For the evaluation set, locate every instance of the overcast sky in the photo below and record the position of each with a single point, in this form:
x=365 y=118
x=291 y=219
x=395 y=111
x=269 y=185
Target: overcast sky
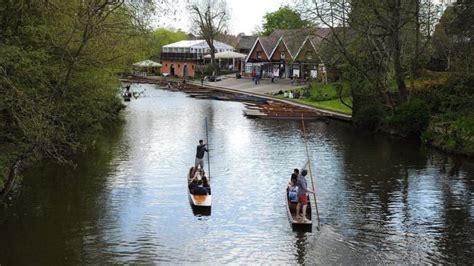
x=246 y=15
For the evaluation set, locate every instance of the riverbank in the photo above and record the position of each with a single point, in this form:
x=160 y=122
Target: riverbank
x=245 y=87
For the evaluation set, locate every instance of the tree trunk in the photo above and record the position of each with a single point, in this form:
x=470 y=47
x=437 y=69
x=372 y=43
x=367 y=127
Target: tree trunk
x=397 y=64
x=213 y=54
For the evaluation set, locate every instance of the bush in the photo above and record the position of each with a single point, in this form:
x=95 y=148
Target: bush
x=412 y=118
x=369 y=116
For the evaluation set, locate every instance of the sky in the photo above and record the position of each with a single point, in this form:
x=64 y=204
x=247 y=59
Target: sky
x=246 y=15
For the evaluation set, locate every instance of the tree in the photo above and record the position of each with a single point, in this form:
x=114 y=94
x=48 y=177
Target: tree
x=381 y=41
x=156 y=39
x=211 y=18
x=283 y=18
x=453 y=42
x=58 y=74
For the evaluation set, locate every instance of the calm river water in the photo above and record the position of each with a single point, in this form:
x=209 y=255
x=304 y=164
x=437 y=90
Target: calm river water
x=380 y=200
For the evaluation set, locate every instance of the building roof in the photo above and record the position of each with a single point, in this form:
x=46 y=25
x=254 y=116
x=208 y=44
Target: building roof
x=268 y=43
x=227 y=55
x=198 y=44
x=246 y=42
x=293 y=39
x=147 y=63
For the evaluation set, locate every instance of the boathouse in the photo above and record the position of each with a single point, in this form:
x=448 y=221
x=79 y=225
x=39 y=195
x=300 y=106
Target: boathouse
x=180 y=59
x=288 y=54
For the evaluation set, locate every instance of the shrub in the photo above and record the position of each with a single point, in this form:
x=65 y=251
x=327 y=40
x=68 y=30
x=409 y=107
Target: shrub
x=369 y=116
x=412 y=118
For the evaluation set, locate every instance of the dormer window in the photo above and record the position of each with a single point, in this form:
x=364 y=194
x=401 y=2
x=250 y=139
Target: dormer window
x=309 y=55
x=282 y=55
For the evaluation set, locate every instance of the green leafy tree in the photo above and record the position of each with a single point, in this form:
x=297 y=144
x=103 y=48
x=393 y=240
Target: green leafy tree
x=283 y=18
x=58 y=74
x=161 y=37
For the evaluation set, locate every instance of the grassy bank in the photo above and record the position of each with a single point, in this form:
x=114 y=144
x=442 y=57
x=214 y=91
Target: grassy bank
x=332 y=105
x=325 y=96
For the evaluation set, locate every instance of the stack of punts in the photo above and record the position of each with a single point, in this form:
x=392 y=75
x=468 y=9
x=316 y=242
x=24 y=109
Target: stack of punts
x=279 y=110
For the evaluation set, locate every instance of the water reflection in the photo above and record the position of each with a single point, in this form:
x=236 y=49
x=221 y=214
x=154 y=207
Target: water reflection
x=380 y=200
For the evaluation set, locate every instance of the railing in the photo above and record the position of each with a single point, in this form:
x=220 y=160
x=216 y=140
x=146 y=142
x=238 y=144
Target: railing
x=180 y=56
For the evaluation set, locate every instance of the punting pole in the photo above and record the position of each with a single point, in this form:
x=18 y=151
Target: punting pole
x=309 y=168
x=208 y=149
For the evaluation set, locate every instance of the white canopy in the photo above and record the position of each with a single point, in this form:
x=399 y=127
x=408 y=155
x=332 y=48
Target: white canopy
x=147 y=63
x=227 y=55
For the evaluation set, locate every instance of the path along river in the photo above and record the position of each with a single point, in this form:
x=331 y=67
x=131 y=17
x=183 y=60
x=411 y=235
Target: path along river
x=380 y=200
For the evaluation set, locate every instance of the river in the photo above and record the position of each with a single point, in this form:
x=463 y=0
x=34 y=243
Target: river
x=380 y=200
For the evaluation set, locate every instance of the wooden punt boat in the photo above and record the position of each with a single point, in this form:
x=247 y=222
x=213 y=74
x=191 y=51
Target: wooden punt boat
x=198 y=201
x=297 y=223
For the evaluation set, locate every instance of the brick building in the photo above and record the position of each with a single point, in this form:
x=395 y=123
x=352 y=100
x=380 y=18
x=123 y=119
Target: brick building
x=288 y=53
x=181 y=59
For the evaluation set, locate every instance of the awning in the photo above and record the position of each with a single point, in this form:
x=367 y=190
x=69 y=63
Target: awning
x=147 y=63
x=227 y=55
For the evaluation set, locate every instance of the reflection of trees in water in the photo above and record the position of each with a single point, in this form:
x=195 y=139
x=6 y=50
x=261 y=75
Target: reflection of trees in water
x=458 y=213
x=388 y=184
x=60 y=205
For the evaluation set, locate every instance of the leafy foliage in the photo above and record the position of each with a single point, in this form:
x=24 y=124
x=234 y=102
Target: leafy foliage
x=369 y=116
x=412 y=118
x=58 y=71
x=283 y=18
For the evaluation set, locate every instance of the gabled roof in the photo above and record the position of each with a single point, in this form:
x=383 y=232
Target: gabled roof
x=280 y=40
x=246 y=42
x=319 y=35
x=293 y=39
x=307 y=40
x=267 y=42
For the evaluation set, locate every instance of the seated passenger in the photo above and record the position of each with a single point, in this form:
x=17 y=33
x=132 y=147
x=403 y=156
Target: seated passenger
x=200 y=190
x=192 y=186
x=205 y=184
x=293 y=193
x=198 y=173
x=191 y=175
x=292 y=188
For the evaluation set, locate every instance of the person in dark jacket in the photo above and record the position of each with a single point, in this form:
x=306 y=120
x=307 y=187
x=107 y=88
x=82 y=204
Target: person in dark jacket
x=205 y=184
x=200 y=150
x=193 y=185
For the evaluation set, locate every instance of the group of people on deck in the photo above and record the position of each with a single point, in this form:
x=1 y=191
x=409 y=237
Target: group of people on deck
x=298 y=192
x=198 y=182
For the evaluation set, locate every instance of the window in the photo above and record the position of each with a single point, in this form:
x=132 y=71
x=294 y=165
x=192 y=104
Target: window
x=282 y=55
x=248 y=68
x=259 y=55
x=179 y=66
x=309 y=55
